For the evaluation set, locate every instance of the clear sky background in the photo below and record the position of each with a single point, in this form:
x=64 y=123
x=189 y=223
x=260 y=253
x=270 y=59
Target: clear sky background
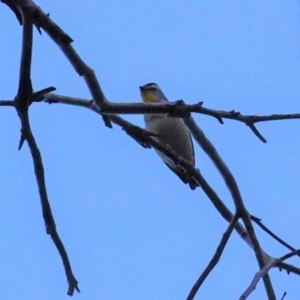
x=131 y=228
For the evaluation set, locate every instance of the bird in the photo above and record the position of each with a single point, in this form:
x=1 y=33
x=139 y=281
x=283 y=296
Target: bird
x=169 y=131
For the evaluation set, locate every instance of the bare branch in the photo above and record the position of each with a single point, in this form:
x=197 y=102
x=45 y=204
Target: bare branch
x=257 y=277
x=283 y=296
x=231 y=184
x=183 y=109
x=7 y=103
x=289 y=255
x=174 y=109
x=63 y=40
x=25 y=88
x=215 y=259
x=21 y=103
x=271 y=233
x=46 y=208
x=180 y=109
x=271 y=263
x=38 y=96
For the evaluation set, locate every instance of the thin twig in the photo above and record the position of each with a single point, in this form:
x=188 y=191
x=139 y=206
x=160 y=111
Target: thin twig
x=271 y=263
x=262 y=273
x=25 y=87
x=272 y=234
x=22 y=102
x=257 y=133
x=215 y=259
x=283 y=296
x=7 y=103
x=38 y=96
x=46 y=208
x=289 y=255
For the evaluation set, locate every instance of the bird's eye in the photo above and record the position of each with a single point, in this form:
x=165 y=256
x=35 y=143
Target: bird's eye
x=153 y=88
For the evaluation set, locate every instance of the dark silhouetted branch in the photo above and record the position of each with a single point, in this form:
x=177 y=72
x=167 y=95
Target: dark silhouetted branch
x=21 y=102
x=232 y=186
x=215 y=259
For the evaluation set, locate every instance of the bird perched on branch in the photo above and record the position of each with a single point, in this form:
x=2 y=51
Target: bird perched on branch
x=169 y=131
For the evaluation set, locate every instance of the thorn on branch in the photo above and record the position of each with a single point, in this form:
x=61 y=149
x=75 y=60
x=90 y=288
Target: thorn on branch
x=22 y=140
x=107 y=121
x=39 y=95
x=256 y=132
x=219 y=119
x=255 y=219
x=38 y=28
x=283 y=296
x=73 y=285
x=235 y=113
x=44 y=21
x=105 y=118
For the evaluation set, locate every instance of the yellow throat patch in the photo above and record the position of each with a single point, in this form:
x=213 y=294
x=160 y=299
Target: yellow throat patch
x=149 y=96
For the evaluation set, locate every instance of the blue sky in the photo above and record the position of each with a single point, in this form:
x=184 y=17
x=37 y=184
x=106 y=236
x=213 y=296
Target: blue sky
x=131 y=228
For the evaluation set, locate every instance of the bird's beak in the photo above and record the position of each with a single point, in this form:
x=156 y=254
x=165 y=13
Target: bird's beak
x=141 y=89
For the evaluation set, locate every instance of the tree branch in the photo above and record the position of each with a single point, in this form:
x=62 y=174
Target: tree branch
x=272 y=234
x=215 y=259
x=231 y=184
x=21 y=103
x=271 y=263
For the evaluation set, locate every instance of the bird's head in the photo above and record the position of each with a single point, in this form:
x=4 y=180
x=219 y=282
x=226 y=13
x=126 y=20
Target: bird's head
x=152 y=93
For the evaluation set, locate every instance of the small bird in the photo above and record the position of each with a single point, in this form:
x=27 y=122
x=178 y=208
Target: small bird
x=170 y=131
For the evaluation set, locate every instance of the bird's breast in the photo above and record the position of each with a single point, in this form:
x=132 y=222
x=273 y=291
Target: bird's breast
x=172 y=132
